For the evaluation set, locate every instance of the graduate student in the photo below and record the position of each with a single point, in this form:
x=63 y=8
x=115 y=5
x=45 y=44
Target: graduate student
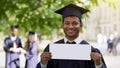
x=72 y=24
x=31 y=53
x=12 y=45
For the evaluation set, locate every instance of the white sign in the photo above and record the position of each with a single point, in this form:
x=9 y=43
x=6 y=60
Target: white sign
x=70 y=51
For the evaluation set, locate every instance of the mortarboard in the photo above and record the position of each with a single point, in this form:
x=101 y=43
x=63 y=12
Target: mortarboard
x=14 y=27
x=31 y=33
x=72 y=10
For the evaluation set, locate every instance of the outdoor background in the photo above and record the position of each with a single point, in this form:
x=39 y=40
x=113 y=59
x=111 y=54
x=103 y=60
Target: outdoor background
x=38 y=15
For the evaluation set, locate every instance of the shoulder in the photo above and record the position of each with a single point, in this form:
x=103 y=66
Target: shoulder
x=60 y=41
x=38 y=65
x=92 y=48
x=18 y=38
x=7 y=38
x=84 y=42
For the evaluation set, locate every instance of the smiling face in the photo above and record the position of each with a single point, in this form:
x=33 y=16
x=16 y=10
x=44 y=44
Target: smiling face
x=71 y=26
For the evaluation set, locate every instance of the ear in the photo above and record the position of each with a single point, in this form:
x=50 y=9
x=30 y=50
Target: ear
x=62 y=25
x=81 y=24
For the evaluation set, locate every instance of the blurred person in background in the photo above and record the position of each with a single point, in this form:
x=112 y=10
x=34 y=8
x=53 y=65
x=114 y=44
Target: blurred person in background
x=110 y=44
x=31 y=50
x=116 y=40
x=12 y=45
x=99 y=38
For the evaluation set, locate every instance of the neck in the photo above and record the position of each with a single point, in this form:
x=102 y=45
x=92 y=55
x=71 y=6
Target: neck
x=71 y=38
x=32 y=41
x=13 y=35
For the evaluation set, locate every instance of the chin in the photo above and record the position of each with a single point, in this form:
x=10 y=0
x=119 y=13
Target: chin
x=70 y=35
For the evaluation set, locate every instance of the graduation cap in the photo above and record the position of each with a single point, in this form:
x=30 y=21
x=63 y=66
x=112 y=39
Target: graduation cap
x=72 y=10
x=14 y=27
x=31 y=33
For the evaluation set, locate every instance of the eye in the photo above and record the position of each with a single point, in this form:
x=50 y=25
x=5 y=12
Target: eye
x=66 y=23
x=75 y=23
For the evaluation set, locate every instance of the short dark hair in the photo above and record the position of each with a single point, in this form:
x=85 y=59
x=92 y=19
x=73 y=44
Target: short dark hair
x=73 y=16
x=14 y=27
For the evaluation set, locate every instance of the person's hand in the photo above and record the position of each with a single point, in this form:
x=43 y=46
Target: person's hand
x=96 y=58
x=45 y=57
x=22 y=50
x=13 y=50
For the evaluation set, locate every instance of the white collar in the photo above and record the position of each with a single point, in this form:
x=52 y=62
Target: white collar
x=13 y=38
x=77 y=40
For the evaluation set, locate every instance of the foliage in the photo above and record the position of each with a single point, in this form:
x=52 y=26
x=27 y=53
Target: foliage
x=35 y=15
x=112 y=3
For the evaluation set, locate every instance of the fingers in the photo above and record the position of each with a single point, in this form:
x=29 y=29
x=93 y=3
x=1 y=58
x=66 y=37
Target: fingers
x=11 y=49
x=22 y=50
x=45 y=57
x=95 y=55
x=96 y=58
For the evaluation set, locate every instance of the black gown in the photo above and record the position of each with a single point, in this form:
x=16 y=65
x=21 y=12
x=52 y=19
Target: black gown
x=12 y=59
x=58 y=63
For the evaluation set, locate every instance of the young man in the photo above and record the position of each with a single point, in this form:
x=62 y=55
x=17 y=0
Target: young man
x=11 y=47
x=71 y=25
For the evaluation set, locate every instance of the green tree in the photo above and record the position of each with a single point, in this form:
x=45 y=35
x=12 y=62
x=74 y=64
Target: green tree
x=36 y=15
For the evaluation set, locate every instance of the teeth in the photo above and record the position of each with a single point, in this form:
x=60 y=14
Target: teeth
x=70 y=31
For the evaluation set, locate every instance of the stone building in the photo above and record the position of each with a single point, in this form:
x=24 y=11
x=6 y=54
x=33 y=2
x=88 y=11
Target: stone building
x=102 y=20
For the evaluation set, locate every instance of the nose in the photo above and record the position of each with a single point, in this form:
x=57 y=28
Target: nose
x=71 y=26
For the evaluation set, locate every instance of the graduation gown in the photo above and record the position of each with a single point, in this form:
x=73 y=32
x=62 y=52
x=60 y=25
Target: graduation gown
x=12 y=59
x=110 y=44
x=58 y=63
x=31 y=56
